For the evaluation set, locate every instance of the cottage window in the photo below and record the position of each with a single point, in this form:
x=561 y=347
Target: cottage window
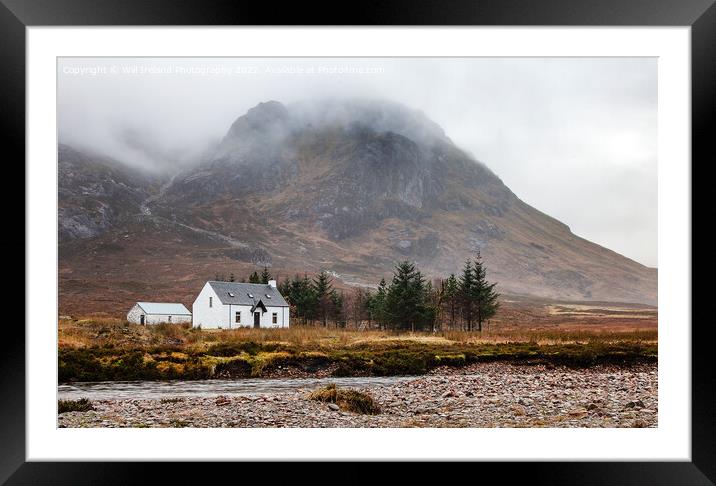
x=211 y=301
x=274 y=318
x=238 y=317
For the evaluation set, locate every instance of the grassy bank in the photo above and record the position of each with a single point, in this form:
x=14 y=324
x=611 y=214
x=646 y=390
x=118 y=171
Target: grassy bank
x=108 y=349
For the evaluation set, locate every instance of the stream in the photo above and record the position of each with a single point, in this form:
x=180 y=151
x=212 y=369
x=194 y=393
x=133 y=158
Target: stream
x=117 y=390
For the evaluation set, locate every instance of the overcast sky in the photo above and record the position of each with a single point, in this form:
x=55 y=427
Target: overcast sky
x=573 y=137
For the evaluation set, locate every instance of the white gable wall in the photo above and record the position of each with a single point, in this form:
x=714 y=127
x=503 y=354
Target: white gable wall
x=209 y=317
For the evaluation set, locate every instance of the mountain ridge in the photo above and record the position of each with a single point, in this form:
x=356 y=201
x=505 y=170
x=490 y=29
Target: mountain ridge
x=355 y=186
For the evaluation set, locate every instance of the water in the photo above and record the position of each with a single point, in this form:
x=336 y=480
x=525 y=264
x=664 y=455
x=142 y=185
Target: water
x=110 y=390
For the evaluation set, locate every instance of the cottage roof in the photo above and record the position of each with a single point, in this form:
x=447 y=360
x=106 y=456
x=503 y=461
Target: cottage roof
x=237 y=293
x=164 y=308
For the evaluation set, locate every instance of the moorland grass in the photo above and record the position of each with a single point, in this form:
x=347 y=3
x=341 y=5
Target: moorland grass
x=116 y=350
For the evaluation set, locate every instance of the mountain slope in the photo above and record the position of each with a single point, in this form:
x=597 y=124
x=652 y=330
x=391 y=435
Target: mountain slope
x=96 y=194
x=354 y=186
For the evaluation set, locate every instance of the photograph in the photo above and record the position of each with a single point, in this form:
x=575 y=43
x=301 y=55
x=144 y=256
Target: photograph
x=424 y=233
x=357 y=242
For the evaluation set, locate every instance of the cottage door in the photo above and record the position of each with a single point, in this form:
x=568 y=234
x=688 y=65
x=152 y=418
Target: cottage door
x=141 y=319
x=257 y=319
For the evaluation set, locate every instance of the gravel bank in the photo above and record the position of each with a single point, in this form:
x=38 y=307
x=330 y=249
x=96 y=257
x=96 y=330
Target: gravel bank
x=481 y=395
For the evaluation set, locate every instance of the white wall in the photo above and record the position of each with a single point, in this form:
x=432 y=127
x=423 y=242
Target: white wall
x=266 y=321
x=282 y=317
x=209 y=317
x=159 y=318
x=247 y=320
x=223 y=316
x=136 y=312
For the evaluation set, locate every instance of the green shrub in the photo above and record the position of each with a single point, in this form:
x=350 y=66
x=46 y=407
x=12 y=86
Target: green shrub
x=403 y=362
x=450 y=360
x=352 y=366
x=376 y=358
x=96 y=364
x=236 y=368
x=229 y=349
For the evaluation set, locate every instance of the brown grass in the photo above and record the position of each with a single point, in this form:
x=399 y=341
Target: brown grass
x=81 y=405
x=348 y=400
x=103 y=332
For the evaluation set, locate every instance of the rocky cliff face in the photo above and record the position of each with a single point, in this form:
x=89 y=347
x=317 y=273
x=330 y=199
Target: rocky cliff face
x=345 y=167
x=96 y=194
x=352 y=187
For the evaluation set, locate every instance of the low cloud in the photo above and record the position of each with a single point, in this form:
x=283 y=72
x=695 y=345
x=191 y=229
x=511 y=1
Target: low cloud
x=574 y=137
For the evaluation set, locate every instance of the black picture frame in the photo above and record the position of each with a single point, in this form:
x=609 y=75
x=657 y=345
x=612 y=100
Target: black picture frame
x=700 y=15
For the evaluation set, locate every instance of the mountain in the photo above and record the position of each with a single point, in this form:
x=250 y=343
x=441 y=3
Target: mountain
x=96 y=194
x=347 y=186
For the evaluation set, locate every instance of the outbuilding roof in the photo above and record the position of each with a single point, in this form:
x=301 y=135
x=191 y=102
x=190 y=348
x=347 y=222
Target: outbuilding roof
x=164 y=308
x=237 y=293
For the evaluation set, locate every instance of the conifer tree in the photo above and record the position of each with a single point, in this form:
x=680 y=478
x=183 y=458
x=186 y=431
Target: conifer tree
x=478 y=298
x=486 y=298
x=337 y=310
x=307 y=298
x=377 y=304
x=466 y=292
x=284 y=289
x=450 y=296
x=406 y=301
x=254 y=278
x=298 y=293
x=265 y=276
x=324 y=296
x=433 y=302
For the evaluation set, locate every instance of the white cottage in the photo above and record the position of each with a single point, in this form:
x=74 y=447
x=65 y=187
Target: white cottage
x=156 y=312
x=229 y=305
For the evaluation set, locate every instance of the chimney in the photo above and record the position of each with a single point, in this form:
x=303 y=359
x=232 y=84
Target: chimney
x=272 y=283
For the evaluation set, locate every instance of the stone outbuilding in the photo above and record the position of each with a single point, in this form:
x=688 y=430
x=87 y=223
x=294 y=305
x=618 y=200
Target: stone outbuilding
x=158 y=312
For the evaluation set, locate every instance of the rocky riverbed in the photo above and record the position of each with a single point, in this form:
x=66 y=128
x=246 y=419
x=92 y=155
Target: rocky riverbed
x=481 y=395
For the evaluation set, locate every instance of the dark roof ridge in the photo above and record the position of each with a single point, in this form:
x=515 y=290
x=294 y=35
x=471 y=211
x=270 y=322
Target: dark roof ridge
x=241 y=291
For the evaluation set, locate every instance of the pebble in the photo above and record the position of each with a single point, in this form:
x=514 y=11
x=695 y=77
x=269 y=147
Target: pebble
x=500 y=395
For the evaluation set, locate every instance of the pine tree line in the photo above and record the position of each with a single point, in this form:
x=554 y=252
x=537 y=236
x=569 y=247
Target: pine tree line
x=255 y=277
x=314 y=300
x=408 y=302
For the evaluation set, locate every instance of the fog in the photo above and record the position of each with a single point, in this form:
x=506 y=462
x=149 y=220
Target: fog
x=573 y=137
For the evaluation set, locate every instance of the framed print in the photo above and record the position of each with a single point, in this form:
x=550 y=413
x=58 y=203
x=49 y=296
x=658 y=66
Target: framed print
x=453 y=233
